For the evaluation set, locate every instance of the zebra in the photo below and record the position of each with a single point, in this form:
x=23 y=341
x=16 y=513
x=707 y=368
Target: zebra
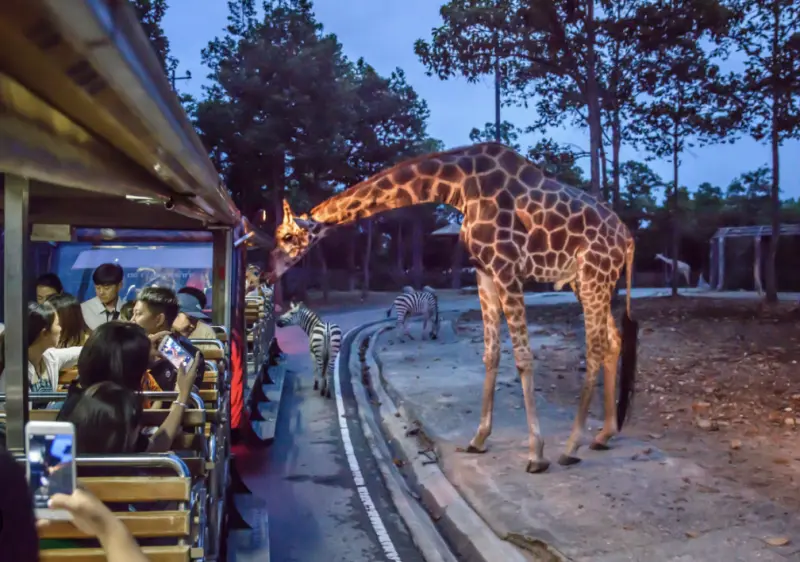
x=412 y=303
x=324 y=341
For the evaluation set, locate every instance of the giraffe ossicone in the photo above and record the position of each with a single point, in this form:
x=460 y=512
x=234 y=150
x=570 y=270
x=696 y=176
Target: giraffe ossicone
x=518 y=225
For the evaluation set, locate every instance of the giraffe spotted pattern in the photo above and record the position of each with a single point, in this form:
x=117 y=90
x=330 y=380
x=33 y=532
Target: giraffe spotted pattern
x=518 y=225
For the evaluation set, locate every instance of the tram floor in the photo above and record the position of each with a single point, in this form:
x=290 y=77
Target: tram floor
x=315 y=510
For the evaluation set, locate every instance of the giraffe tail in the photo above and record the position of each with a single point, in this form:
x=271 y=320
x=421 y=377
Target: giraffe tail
x=630 y=335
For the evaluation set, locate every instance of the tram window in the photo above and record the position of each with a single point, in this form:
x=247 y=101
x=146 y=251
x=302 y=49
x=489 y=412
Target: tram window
x=171 y=265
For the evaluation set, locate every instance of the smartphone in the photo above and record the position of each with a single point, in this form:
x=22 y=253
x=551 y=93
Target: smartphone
x=174 y=352
x=50 y=464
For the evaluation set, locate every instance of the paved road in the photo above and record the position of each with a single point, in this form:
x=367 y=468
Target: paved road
x=315 y=510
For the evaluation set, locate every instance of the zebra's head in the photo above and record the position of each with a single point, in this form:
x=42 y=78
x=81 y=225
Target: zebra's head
x=294 y=237
x=292 y=316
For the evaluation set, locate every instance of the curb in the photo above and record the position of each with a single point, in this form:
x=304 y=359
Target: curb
x=472 y=538
x=423 y=531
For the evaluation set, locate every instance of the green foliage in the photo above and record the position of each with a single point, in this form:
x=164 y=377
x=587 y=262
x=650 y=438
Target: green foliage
x=288 y=114
x=509 y=134
x=151 y=13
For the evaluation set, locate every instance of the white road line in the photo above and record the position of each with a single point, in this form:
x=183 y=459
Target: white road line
x=374 y=517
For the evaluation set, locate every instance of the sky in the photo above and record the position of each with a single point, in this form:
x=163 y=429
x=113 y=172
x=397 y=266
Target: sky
x=384 y=31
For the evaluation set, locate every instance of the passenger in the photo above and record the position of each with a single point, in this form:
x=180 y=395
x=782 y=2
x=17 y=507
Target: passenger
x=198 y=294
x=106 y=305
x=126 y=312
x=47 y=285
x=107 y=420
x=252 y=279
x=156 y=310
x=45 y=360
x=191 y=320
x=19 y=539
x=119 y=352
x=73 y=328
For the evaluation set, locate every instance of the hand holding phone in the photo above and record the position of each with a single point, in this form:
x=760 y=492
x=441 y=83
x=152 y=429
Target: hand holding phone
x=50 y=465
x=187 y=373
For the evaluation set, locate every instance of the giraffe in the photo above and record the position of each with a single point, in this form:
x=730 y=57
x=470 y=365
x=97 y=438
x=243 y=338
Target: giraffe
x=518 y=225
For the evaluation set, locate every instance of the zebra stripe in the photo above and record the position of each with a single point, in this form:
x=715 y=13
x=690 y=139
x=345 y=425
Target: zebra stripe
x=416 y=303
x=324 y=342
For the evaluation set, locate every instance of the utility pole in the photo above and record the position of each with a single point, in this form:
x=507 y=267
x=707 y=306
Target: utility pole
x=173 y=78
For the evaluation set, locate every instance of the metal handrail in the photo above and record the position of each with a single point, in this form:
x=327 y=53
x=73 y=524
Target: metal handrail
x=38 y=397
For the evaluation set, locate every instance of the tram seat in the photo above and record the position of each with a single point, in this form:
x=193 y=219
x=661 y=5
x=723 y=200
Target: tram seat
x=149 y=489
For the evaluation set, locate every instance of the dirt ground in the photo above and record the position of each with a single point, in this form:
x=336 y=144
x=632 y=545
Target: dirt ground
x=718 y=382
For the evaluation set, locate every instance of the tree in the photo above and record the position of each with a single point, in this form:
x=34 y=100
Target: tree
x=546 y=49
x=151 y=13
x=680 y=108
x=768 y=91
x=508 y=134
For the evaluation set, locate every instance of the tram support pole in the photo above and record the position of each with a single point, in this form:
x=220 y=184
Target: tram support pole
x=17 y=235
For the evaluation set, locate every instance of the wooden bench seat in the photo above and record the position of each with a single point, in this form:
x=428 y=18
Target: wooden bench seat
x=153 y=553
x=174 y=524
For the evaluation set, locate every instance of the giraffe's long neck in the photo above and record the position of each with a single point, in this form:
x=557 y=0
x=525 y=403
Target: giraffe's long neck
x=443 y=178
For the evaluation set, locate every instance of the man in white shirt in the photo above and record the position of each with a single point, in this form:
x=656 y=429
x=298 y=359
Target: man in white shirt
x=106 y=305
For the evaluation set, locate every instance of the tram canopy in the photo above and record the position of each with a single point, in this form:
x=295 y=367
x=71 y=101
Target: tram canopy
x=89 y=117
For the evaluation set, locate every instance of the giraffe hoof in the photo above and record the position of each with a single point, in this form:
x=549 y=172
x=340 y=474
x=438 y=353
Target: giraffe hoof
x=537 y=467
x=566 y=460
x=595 y=446
x=316 y=385
x=473 y=450
x=433 y=337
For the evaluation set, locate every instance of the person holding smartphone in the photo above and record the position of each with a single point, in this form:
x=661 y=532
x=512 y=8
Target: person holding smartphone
x=155 y=310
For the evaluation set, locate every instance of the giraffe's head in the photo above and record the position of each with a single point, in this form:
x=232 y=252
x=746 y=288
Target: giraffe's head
x=292 y=316
x=293 y=238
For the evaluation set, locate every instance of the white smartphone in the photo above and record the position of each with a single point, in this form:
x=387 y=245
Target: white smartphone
x=50 y=464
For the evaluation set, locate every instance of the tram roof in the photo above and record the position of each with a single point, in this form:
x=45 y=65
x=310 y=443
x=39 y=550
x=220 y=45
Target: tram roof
x=88 y=115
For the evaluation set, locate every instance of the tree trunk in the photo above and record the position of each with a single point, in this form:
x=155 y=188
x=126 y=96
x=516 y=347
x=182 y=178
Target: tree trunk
x=351 y=259
x=775 y=199
x=367 y=256
x=278 y=177
x=593 y=101
x=675 y=206
x=604 y=171
x=401 y=269
x=324 y=281
x=497 y=96
x=616 y=142
x=416 y=250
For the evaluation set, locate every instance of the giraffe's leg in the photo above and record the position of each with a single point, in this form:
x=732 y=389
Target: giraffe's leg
x=490 y=312
x=596 y=300
x=513 y=301
x=610 y=363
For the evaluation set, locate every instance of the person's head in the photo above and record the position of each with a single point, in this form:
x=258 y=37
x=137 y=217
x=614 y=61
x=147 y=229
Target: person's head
x=117 y=352
x=107 y=419
x=252 y=275
x=70 y=316
x=126 y=311
x=196 y=293
x=156 y=309
x=107 y=280
x=19 y=540
x=44 y=329
x=47 y=285
x=190 y=312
